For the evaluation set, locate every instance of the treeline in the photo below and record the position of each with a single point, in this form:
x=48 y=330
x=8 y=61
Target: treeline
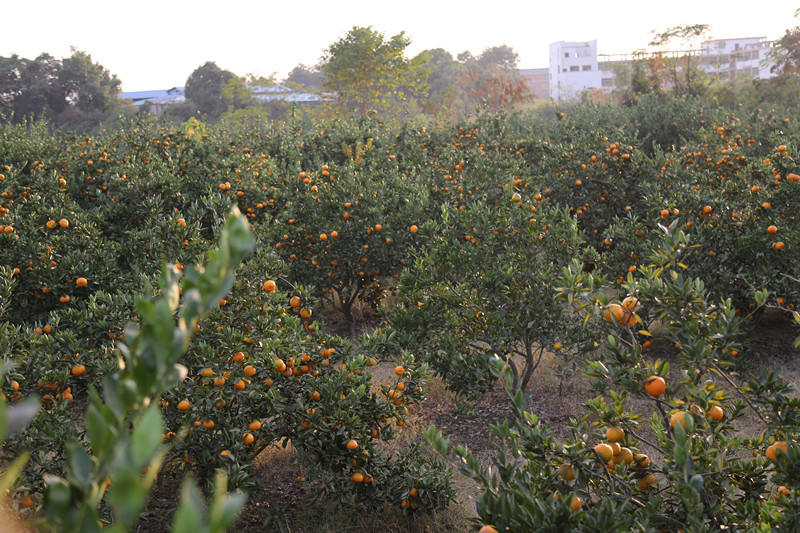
x=73 y=92
x=367 y=72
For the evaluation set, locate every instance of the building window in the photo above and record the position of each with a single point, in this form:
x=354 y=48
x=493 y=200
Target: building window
x=586 y=67
x=608 y=82
x=566 y=54
x=574 y=68
x=564 y=69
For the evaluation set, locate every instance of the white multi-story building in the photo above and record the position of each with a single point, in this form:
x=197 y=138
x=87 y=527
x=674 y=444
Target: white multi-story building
x=576 y=66
x=727 y=58
x=573 y=68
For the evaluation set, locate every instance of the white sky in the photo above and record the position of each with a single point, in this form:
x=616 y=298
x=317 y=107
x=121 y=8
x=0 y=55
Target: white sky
x=157 y=44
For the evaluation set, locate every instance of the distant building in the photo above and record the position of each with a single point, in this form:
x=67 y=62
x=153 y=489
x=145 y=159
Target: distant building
x=573 y=68
x=538 y=80
x=727 y=58
x=157 y=100
x=576 y=67
x=285 y=93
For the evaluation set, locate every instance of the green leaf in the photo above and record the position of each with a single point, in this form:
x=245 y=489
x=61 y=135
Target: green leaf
x=13 y=471
x=224 y=507
x=20 y=415
x=189 y=516
x=147 y=436
x=80 y=464
x=100 y=437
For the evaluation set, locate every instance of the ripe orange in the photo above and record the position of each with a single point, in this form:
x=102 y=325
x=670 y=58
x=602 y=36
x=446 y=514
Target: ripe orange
x=604 y=451
x=648 y=482
x=630 y=303
x=206 y=372
x=655 y=386
x=488 y=529
x=81 y=282
x=255 y=425
x=295 y=301
x=678 y=417
x=780 y=245
x=358 y=477
x=78 y=370
x=413 y=228
x=64 y=223
x=615 y=434
x=351 y=444
x=238 y=357
x=183 y=405
x=249 y=371
x=269 y=285
x=707 y=210
x=27 y=501
x=772 y=449
x=248 y=439
x=665 y=214
x=399 y=370
x=613 y=313
x=566 y=473
x=772 y=230
x=576 y=503
x=51 y=224
x=716 y=413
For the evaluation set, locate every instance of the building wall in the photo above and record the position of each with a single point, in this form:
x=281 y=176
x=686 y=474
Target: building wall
x=573 y=68
x=538 y=80
x=726 y=58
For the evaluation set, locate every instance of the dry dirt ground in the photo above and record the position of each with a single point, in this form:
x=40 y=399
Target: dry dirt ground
x=283 y=504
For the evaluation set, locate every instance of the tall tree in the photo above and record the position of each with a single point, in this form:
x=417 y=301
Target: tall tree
x=71 y=90
x=87 y=85
x=786 y=54
x=681 y=73
x=369 y=72
x=310 y=78
x=204 y=88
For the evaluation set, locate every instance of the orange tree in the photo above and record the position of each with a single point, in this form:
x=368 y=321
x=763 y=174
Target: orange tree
x=736 y=199
x=690 y=469
x=112 y=479
x=261 y=372
x=483 y=285
x=345 y=229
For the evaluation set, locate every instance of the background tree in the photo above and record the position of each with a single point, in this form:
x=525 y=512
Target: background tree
x=236 y=94
x=74 y=91
x=786 y=53
x=445 y=96
x=492 y=79
x=309 y=78
x=368 y=72
x=204 y=88
x=87 y=85
x=681 y=73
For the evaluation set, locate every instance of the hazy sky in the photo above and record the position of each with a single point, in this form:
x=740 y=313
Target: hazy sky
x=157 y=44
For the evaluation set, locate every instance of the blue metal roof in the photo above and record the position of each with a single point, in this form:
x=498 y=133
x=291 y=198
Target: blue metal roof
x=174 y=94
